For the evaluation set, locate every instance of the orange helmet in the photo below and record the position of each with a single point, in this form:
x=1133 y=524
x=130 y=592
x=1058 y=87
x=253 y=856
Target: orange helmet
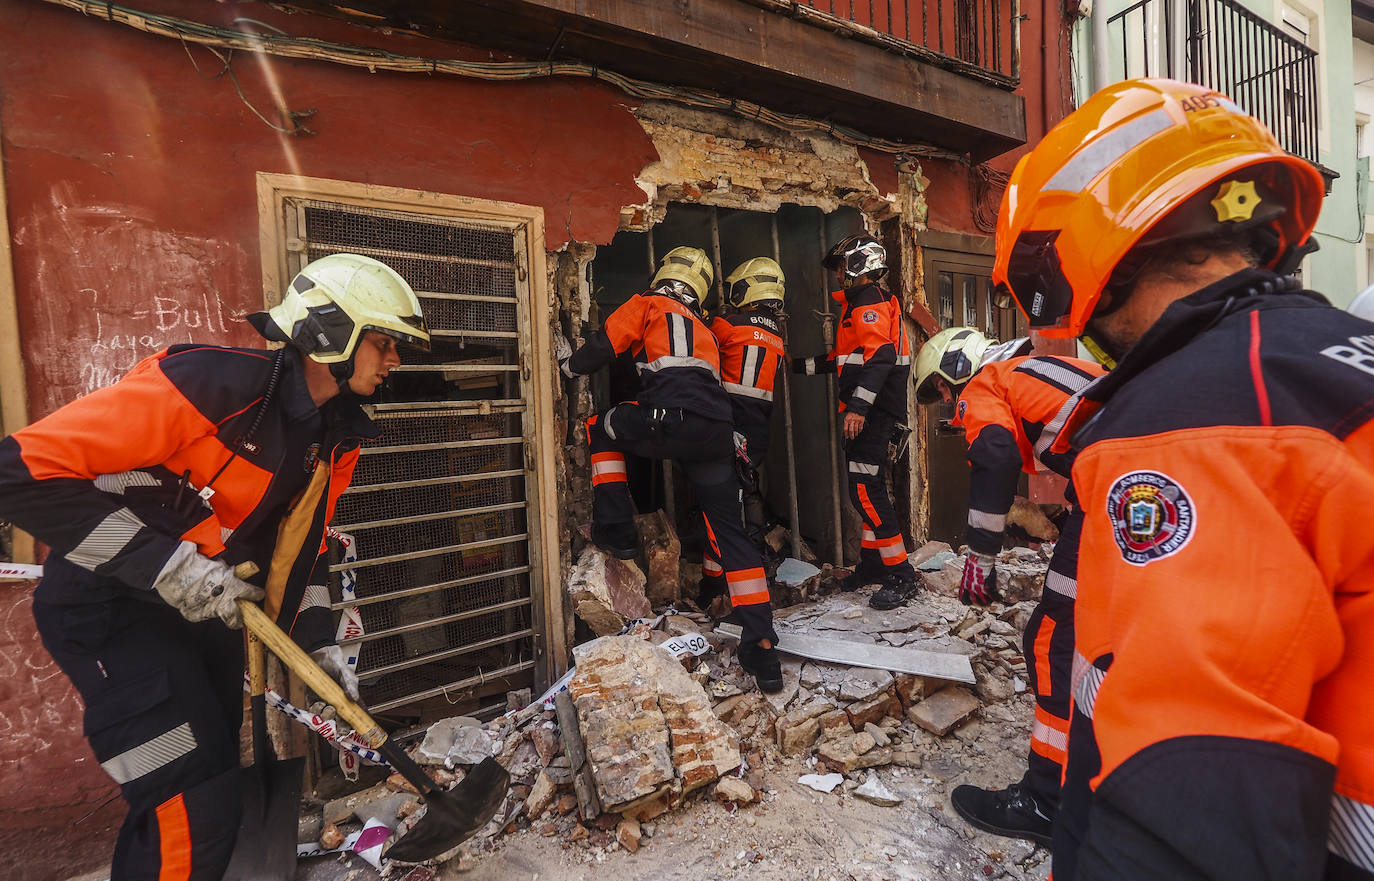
x=1105 y=179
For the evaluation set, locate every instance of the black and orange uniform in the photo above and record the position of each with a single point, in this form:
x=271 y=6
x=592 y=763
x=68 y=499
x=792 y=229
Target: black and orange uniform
x=1223 y=723
x=682 y=414
x=751 y=352
x=112 y=483
x=1005 y=410
x=872 y=357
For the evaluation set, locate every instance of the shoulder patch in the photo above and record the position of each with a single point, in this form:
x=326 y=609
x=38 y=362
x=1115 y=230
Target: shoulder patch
x=1152 y=516
x=961 y=408
x=870 y=316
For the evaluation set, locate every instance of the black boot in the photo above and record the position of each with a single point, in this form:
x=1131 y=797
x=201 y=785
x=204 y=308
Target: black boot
x=1013 y=812
x=763 y=664
x=616 y=542
x=896 y=590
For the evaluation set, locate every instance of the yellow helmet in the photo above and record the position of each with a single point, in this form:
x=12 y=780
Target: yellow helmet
x=954 y=355
x=759 y=280
x=688 y=265
x=334 y=300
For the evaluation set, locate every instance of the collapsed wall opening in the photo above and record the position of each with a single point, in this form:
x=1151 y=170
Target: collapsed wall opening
x=797 y=237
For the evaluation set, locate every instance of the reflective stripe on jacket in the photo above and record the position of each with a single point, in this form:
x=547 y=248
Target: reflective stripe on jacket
x=674 y=352
x=113 y=481
x=1004 y=409
x=872 y=353
x=751 y=350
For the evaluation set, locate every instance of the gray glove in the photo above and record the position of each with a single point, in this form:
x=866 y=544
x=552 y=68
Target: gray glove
x=563 y=350
x=332 y=661
x=200 y=588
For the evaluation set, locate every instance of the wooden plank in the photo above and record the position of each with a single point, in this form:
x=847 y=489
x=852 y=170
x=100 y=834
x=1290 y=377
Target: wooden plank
x=588 y=804
x=936 y=665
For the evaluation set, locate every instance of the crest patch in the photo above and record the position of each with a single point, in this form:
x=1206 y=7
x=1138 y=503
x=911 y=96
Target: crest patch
x=870 y=316
x=1152 y=516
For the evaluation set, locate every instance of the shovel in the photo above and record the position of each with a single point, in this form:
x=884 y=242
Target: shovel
x=451 y=816
x=266 y=846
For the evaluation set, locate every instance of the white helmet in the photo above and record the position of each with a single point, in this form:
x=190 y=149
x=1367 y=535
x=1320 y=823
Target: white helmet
x=858 y=255
x=954 y=355
x=1363 y=304
x=334 y=300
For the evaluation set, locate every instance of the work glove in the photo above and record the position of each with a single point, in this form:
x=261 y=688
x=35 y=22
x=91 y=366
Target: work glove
x=979 y=583
x=741 y=446
x=563 y=350
x=332 y=660
x=201 y=588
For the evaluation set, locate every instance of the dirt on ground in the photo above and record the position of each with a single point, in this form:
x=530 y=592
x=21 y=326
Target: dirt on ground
x=794 y=832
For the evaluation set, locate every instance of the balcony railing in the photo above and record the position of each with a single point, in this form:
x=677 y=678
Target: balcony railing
x=975 y=37
x=1220 y=44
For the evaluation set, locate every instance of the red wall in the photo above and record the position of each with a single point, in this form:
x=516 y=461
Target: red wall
x=132 y=204
x=133 y=209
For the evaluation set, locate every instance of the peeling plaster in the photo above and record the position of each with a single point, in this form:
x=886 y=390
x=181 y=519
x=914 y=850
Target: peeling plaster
x=721 y=160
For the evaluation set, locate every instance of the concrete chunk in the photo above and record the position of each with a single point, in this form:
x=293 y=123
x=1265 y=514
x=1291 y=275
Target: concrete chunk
x=944 y=710
x=606 y=592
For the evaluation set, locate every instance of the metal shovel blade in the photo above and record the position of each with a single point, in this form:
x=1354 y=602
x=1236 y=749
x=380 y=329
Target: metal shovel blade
x=266 y=846
x=453 y=816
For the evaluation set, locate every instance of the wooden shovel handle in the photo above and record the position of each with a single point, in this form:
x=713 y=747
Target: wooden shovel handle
x=294 y=657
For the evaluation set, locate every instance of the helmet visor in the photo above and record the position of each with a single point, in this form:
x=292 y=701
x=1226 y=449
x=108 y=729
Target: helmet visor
x=414 y=340
x=1036 y=280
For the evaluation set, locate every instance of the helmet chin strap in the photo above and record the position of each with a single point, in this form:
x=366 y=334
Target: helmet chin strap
x=343 y=372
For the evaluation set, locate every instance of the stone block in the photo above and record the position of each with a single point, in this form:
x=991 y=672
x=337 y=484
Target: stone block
x=943 y=710
x=875 y=708
x=645 y=722
x=606 y=592
x=836 y=723
x=541 y=796
x=798 y=738
x=662 y=553
x=862 y=684
x=628 y=834
x=911 y=689
x=926 y=551
x=1027 y=517
x=732 y=789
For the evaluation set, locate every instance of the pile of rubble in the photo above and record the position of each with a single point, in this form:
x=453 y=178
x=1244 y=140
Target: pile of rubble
x=660 y=712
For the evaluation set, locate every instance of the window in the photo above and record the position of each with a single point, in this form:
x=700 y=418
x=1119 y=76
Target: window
x=444 y=509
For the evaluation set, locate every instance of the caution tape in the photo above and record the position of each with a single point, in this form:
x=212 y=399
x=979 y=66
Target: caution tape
x=350 y=627
x=351 y=746
x=20 y=571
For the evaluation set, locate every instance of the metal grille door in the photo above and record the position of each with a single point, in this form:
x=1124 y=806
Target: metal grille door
x=439 y=507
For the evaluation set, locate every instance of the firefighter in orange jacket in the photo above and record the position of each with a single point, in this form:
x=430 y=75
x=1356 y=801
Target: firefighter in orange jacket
x=149 y=492
x=873 y=359
x=1007 y=403
x=682 y=414
x=751 y=352
x=1223 y=721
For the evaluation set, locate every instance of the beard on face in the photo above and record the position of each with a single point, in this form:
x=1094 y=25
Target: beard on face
x=1109 y=338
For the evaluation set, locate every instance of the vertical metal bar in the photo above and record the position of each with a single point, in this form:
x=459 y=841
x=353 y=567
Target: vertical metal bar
x=794 y=517
x=669 y=496
x=925 y=32
x=828 y=337
x=1016 y=40
x=906 y=17
x=940 y=22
